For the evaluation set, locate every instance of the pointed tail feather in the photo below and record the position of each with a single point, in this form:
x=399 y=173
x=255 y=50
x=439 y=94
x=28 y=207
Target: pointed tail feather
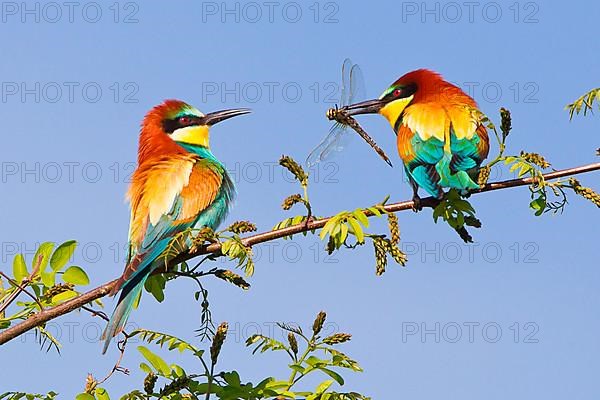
x=119 y=317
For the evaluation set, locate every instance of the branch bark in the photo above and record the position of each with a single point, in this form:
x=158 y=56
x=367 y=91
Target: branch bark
x=46 y=315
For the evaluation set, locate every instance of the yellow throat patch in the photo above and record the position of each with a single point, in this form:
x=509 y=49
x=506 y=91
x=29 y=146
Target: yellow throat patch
x=196 y=135
x=392 y=110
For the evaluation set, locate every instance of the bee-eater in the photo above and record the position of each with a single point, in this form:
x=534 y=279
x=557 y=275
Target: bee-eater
x=439 y=137
x=178 y=184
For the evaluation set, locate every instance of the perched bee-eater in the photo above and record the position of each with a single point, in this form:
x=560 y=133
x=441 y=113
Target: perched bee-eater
x=178 y=184
x=440 y=139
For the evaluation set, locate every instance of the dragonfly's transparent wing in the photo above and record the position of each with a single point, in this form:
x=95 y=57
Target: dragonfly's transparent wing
x=335 y=141
x=345 y=84
x=356 y=85
x=339 y=136
x=339 y=143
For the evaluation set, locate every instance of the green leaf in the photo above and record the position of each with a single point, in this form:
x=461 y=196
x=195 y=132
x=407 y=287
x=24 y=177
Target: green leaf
x=297 y=367
x=62 y=254
x=315 y=361
x=538 y=205
x=277 y=384
x=513 y=167
x=145 y=368
x=59 y=298
x=343 y=233
x=84 y=396
x=329 y=225
x=19 y=268
x=232 y=378
x=358 y=232
x=322 y=388
x=76 y=276
x=101 y=394
x=375 y=211
x=361 y=217
x=155 y=284
x=177 y=371
x=158 y=363
x=48 y=278
x=338 y=378
x=42 y=255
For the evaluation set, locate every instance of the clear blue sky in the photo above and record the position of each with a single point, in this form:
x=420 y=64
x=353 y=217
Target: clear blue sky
x=68 y=149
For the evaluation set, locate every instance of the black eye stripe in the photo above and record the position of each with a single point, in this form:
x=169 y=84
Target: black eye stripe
x=409 y=90
x=171 y=125
x=405 y=91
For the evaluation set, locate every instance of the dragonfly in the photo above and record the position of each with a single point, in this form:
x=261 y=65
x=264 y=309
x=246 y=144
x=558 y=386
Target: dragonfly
x=336 y=140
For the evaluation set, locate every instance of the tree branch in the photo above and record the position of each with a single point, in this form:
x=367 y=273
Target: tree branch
x=46 y=315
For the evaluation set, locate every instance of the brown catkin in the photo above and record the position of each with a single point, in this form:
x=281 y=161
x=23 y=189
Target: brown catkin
x=380 y=246
x=293 y=342
x=90 y=384
x=149 y=383
x=175 y=386
x=536 y=159
x=484 y=175
x=506 y=121
x=290 y=201
x=242 y=227
x=217 y=342
x=291 y=165
x=330 y=247
x=204 y=235
x=232 y=277
x=398 y=255
x=319 y=321
x=337 y=338
x=394 y=227
x=585 y=192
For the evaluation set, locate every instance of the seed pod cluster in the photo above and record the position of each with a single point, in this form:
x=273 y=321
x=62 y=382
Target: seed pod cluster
x=394 y=228
x=506 y=122
x=319 y=321
x=90 y=384
x=337 y=338
x=239 y=227
x=204 y=235
x=232 y=277
x=585 y=192
x=291 y=165
x=380 y=246
x=536 y=159
x=217 y=342
x=484 y=175
x=293 y=343
x=290 y=201
x=175 y=386
x=149 y=383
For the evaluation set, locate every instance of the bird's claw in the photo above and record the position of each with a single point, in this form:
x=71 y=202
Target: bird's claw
x=417 y=206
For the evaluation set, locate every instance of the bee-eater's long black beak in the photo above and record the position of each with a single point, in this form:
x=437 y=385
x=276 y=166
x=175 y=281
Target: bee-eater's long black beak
x=364 y=107
x=218 y=116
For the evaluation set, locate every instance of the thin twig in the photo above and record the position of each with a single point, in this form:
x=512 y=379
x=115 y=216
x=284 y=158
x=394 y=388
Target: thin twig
x=117 y=366
x=22 y=286
x=16 y=293
x=215 y=248
x=96 y=313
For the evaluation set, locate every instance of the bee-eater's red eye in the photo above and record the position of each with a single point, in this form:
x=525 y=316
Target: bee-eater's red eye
x=184 y=120
x=397 y=92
